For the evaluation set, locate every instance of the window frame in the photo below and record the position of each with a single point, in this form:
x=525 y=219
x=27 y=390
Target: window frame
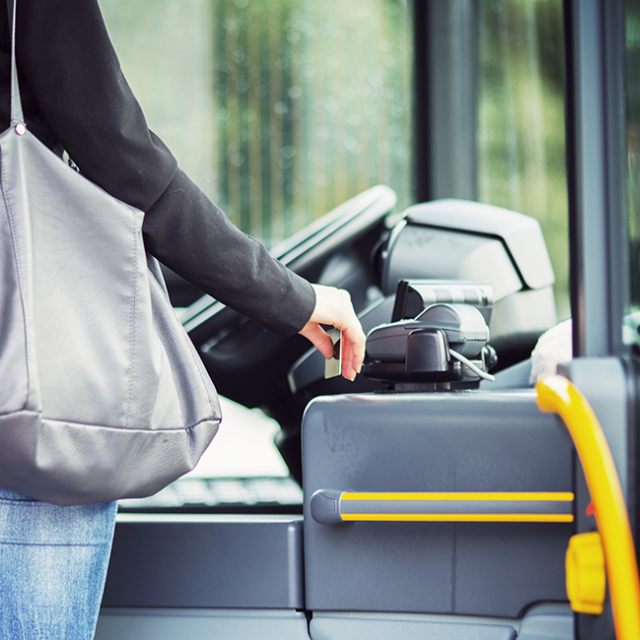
x=596 y=176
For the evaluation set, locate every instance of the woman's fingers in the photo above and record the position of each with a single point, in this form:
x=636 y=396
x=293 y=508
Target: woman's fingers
x=333 y=307
x=318 y=338
x=353 y=348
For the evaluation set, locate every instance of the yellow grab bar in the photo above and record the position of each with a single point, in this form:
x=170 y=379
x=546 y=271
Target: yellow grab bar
x=558 y=395
x=333 y=507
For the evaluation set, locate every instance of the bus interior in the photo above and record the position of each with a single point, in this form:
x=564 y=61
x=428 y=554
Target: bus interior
x=467 y=170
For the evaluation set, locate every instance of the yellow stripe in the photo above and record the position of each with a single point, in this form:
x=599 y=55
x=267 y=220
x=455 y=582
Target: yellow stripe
x=557 y=395
x=551 y=496
x=458 y=517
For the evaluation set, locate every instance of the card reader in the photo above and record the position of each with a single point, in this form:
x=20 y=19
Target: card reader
x=444 y=343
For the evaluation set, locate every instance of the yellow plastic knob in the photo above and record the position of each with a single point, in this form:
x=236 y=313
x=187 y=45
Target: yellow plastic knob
x=586 y=576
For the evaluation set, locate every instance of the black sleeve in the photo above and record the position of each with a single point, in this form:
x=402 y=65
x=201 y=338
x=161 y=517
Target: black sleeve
x=69 y=66
x=235 y=268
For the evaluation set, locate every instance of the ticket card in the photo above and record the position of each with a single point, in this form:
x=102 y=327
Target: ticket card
x=333 y=367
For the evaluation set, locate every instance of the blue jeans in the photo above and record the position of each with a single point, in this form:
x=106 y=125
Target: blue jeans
x=53 y=565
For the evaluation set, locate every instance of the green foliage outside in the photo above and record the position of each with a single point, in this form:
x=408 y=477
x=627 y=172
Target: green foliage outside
x=521 y=134
x=632 y=90
x=279 y=110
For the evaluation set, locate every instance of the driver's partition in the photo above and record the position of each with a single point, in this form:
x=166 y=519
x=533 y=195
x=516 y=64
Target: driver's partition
x=469 y=480
x=205 y=576
x=432 y=507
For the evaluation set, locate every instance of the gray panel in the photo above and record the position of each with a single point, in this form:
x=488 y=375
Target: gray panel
x=181 y=624
x=523 y=316
x=520 y=234
x=499 y=569
x=603 y=382
x=548 y=622
x=471 y=441
x=355 y=626
x=443 y=254
x=514 y=377
x=206 y=561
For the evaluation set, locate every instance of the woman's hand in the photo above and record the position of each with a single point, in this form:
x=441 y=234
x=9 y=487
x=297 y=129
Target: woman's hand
x=333 y=307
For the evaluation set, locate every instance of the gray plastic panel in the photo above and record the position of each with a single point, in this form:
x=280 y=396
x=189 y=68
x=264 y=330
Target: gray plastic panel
x=603 y=382
x=547 y=621
x=425 y=252
x=552 y=621
x=514 y=377
x=521 y=234
x=523 y=315
x=206 y=561
x=355 y=626
x=471 y=441
x=181 y=624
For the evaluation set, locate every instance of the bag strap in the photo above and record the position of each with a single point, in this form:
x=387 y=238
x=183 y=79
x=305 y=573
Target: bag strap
x=17 y=116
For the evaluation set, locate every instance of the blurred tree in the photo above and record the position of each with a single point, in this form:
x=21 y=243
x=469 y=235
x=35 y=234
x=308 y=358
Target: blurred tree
x=521 y=134
x=280 y=110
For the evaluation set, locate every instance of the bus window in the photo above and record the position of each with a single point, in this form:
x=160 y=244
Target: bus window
x=632 y=112
x=279 y=110
x=521 y=136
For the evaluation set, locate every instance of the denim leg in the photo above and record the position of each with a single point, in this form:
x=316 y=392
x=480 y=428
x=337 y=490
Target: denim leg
x=53 y=564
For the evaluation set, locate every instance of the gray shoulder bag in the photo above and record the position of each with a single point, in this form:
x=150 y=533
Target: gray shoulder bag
x=102 y=395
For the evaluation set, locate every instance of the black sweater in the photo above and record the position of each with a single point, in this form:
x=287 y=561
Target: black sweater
x=75 y=98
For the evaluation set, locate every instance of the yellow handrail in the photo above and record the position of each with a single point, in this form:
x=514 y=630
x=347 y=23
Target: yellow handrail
x=558 y=395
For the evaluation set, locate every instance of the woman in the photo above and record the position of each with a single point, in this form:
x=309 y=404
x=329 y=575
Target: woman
x=53 y=559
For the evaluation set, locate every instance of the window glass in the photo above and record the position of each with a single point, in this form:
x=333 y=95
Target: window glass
x=632 y=94
x=521 y=135
x=280 y=110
